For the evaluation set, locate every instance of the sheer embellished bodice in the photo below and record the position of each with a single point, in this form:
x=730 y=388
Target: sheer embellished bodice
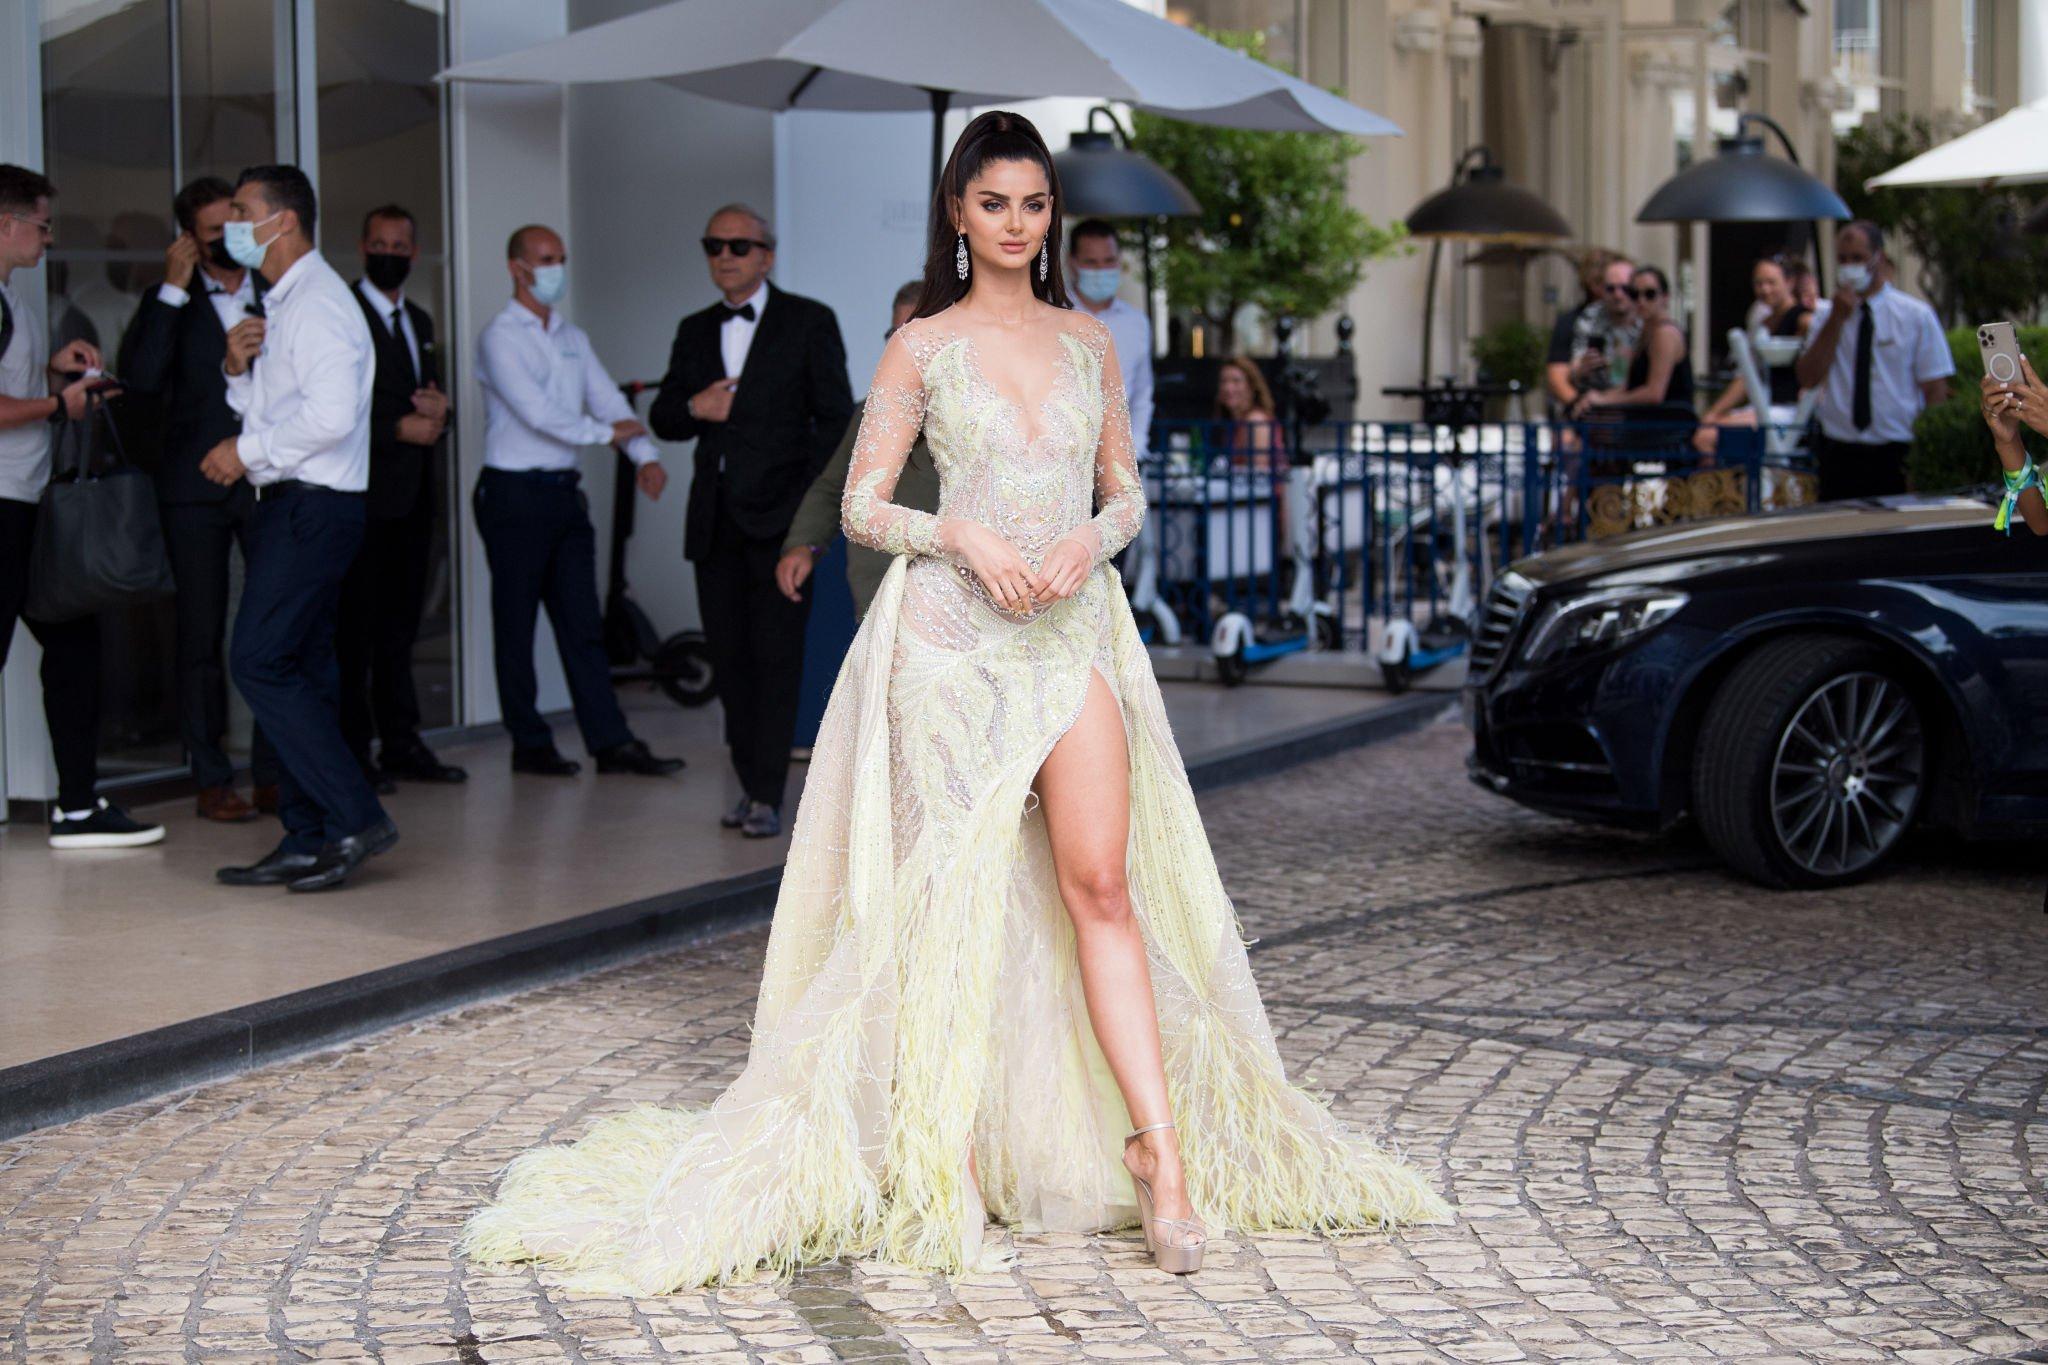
x=921 y=994
x=1029 y=470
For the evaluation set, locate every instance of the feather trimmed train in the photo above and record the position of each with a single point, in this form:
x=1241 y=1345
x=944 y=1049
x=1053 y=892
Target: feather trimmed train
x=921 y=992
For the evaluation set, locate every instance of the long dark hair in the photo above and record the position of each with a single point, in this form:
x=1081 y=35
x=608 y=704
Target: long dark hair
x=995 y=136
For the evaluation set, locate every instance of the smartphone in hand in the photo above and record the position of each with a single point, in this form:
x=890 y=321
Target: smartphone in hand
x=2000 y=347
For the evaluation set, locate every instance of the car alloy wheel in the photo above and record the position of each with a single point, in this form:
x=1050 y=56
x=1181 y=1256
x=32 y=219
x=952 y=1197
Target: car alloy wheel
x=1847 y=774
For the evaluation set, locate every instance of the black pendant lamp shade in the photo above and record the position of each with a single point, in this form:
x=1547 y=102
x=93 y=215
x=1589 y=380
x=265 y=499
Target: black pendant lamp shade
x=1103 y=179
x=1481 y=206
x=1743 y=185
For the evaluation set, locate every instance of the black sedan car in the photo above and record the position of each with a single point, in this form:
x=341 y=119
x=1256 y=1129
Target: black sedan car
x=1805 y=685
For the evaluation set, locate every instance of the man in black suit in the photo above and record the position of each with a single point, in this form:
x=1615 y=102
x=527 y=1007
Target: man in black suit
x=173 y=350
x=759 y=380
x=386 y=589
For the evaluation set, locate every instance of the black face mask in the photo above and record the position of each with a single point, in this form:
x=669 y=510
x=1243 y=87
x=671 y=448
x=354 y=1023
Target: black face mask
x=386 y=271
x=217 y=254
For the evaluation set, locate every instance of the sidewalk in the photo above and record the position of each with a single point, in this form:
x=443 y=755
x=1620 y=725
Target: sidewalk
x=495 y=881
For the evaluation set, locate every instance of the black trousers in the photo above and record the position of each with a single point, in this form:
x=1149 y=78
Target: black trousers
x=200 y=538
x=543 y=552
x=1853 y=469
x=755 y=637
x=300 y=546
x=382 y=600
x=71 y=664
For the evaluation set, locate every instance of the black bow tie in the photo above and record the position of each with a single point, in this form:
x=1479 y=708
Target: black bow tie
x=745 y=310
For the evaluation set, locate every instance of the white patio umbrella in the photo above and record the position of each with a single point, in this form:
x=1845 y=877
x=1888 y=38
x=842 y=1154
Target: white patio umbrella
x=884 y=55
x=2012 y=149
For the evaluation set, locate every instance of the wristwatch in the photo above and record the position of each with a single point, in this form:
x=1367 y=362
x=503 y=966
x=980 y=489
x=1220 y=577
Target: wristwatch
x=57 y=412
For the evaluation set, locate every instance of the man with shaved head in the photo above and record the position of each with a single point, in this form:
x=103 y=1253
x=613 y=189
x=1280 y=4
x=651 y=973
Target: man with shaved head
x=545 y=397
x=758 y=381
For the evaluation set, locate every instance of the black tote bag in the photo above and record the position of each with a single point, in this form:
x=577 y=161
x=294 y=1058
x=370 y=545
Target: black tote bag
x=99 y=539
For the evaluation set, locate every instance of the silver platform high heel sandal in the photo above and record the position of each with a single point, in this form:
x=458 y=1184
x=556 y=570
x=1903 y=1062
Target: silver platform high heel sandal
x=1177 y=1249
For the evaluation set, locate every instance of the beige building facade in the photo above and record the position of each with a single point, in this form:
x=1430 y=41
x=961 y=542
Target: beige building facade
x=1591 y=105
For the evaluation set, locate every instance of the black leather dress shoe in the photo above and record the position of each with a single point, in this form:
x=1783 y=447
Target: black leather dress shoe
x=339 y=860
x=380 y=782
x=419 y=765
x=273 y=869
x=634 y=757
x=547 y=762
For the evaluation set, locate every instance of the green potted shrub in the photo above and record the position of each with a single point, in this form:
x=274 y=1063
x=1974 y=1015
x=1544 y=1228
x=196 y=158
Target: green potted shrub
x=1512 y=353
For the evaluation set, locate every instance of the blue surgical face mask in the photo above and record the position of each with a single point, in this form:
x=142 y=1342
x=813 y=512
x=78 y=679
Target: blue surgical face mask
x=241 y=242
x=1098 y=285
x=549 y=282
x=1855 y=274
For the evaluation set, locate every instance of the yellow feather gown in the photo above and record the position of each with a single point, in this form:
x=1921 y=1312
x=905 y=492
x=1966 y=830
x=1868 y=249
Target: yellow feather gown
x=921 y=985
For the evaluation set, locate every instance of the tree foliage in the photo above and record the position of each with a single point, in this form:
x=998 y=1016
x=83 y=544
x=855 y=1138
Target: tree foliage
x=1976 y=264
x=1275 y=231
x=1951 y=445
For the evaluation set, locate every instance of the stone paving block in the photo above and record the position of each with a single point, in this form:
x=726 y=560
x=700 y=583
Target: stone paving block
x=1681 y=1120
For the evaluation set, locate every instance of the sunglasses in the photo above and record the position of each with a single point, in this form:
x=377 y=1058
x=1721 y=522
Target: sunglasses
x=1621 y=289
x=738 y=246
x=1645 y=295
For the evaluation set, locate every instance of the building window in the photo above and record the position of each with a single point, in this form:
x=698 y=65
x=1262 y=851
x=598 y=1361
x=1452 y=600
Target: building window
x=137 y=100
x=1281 y=21
x=1980 y=62
x=1869 y=58
x=380 y=134
x=1741 y=62
x=143 y=96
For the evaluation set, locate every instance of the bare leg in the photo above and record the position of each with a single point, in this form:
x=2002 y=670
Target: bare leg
x=1084 y=786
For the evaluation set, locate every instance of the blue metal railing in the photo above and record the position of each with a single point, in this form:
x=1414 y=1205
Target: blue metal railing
x=1381 y=516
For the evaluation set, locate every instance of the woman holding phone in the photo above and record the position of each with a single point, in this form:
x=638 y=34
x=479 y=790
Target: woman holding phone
x=2010 y=404
x=1660 y=371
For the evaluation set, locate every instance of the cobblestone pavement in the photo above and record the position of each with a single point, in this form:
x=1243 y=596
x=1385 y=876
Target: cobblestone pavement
x=1681 y=1119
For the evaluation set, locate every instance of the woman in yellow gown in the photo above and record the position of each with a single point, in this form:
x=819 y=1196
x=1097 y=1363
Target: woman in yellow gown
x=1000 y=938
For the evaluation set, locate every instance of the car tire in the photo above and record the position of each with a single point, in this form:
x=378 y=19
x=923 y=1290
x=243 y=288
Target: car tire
x=1811 y=763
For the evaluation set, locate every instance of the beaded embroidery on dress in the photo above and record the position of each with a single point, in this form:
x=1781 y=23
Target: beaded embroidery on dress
x=921 y=986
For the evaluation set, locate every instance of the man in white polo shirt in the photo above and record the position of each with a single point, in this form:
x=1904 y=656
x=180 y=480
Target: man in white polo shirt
x=1878 y=356
x=546 y=396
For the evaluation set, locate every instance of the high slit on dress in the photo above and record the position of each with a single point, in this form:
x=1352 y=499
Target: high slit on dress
x=921 y=985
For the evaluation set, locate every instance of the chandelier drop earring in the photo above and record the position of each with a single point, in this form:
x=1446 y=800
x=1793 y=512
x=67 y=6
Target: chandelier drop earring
x=1044 y=257
x=960 y=257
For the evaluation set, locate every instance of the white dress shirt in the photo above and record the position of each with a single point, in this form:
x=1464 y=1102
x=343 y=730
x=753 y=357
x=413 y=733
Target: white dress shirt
x=229 y=305
x=24 y=373
x=305 y=400
x=546 y=393
x=383 y=307
x=1908 y=350
x=1131 y=330
x=736 y=335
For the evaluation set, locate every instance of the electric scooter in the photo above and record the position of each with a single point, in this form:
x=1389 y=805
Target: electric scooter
x=679 y=665
x=1304 y=622
x=1405 y=651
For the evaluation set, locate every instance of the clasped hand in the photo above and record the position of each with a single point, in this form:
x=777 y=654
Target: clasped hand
x=1011 y=582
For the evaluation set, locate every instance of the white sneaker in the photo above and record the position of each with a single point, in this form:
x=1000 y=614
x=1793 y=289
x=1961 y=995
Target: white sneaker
x=104 y=826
